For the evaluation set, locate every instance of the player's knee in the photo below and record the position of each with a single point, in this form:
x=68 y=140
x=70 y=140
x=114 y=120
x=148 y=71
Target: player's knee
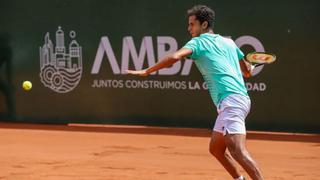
x=212 y=151
x=216 y=152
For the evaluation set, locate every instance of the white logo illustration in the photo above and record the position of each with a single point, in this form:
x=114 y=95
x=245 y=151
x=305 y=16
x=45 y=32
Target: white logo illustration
x=60 y=68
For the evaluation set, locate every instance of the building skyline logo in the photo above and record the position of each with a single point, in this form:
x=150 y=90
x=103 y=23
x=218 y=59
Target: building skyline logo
x=60 y=67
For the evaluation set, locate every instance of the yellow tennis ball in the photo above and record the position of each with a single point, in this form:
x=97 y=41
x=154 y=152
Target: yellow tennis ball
x=27 y=85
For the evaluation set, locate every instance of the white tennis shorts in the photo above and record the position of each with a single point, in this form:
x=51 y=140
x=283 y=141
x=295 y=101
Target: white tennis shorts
x=232 y=112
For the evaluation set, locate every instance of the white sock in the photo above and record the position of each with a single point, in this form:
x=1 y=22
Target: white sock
x=240 y=178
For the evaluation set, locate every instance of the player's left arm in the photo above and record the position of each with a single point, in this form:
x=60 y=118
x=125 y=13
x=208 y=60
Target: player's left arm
x=167 y=61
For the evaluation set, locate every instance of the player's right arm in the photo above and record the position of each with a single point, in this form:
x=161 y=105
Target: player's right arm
x=167 y=61
x=246 y=68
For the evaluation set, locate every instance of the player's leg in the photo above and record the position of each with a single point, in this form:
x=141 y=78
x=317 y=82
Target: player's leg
x=217 y=148
x=237 y=147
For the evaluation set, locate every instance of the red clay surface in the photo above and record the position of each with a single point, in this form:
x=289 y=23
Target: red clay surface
x=143 y=153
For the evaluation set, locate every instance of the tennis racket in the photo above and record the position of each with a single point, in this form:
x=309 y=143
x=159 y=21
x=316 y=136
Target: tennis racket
x=260 y=58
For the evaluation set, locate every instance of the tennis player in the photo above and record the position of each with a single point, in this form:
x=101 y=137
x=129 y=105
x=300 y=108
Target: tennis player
x=222 y=65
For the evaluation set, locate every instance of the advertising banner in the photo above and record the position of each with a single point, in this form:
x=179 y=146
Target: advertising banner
x=75 y=53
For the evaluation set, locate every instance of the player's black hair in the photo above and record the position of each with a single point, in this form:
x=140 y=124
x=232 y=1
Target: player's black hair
x=203 y=13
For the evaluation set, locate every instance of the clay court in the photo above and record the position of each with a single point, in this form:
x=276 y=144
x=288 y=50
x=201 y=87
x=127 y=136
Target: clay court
x=143 y=153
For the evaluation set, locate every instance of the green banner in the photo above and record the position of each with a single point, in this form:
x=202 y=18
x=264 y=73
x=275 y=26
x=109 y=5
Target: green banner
x=75 y=54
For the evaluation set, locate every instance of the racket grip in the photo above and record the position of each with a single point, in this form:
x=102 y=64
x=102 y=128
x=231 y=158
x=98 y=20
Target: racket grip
x=251 y=69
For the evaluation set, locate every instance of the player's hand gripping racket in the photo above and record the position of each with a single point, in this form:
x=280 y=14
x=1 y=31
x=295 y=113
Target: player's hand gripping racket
x=260 y=58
